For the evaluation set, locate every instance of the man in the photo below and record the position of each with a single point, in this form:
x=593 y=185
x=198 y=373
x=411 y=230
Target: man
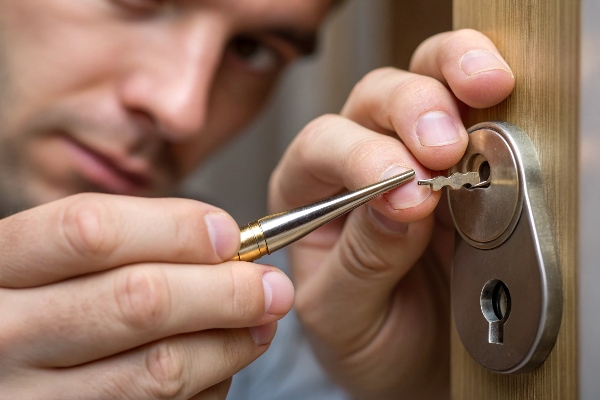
x=112 y=296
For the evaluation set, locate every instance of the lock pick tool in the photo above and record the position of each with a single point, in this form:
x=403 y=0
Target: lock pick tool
x=273 y=232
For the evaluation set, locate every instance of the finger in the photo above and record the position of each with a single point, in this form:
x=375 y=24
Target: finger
x=373 y=254
x=333 y=153
x=91 y=232
x=121 y=309
x=469 y=63
x=418 y=109
x=175 y=368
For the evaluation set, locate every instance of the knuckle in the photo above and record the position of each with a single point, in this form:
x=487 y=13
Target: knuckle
x=247 y=303
x=85 y=226
x=315 y=130
x=424 y=92
x=165 y=369
x=372 y=79
x=362 y=152
x=457 y=42
x=362 y=259
x=143 y=297
x=460 y=34
x=317 y=126
x=189 y=224
x=234 y=352
x=10 y=337
x=375 y=76
x=417 y=88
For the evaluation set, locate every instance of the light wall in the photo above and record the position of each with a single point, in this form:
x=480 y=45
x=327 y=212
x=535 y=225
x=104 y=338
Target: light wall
x=589 y=202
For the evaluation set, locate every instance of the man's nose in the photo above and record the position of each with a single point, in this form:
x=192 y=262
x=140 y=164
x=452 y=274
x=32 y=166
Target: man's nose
x=171 y=77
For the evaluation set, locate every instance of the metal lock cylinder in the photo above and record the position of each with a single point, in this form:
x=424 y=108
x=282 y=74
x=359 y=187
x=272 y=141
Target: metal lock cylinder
x=506 y=286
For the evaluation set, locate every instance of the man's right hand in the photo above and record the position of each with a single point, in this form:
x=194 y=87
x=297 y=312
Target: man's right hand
x=116 y=297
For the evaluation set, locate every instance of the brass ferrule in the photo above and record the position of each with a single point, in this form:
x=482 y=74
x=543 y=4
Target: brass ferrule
x=253 y=244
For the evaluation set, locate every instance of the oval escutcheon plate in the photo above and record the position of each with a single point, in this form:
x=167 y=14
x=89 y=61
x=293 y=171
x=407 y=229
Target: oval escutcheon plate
x=506 y=285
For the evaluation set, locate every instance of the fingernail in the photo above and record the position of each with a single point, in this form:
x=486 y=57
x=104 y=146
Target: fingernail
x=477 y=61
x=279 y=293
x=386 y=223
x=263 y=334
x=409 y=195
x=223 y=233
x=436 y=128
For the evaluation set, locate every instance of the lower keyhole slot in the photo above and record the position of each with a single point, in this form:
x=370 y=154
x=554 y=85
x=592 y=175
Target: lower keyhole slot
x=495 y=306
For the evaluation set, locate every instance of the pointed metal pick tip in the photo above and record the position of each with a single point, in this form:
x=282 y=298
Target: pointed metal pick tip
x=397 y=180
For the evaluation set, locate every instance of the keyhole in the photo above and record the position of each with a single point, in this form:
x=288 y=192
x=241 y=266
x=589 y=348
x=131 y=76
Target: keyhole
x=495 y=305
x=479 y=163
x=484 y=171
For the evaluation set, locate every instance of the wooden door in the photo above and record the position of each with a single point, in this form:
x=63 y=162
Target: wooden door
x=540 y=41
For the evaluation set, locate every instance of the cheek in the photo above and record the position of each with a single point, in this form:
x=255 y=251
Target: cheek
x=54 y=49
x=236 y=99
x=240 y=94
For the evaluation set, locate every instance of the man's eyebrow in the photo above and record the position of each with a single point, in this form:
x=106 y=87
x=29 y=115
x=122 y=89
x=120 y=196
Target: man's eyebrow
x=304 y=41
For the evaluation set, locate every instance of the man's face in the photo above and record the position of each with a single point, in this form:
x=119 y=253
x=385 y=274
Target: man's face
x=127 y=96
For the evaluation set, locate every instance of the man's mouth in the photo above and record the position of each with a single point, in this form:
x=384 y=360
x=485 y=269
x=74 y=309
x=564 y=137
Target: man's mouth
x=116 y=175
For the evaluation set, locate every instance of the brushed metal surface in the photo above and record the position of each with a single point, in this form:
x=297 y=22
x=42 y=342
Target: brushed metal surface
x=524 y=259
x=485 y=217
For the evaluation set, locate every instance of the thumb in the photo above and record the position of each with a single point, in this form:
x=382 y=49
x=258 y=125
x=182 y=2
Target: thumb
x=357 y=278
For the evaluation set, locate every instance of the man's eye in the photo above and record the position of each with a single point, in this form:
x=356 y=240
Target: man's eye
x=258 y=56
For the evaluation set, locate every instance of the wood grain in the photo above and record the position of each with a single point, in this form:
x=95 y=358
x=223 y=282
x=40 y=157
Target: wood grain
x=415 y=21
x=540 y=40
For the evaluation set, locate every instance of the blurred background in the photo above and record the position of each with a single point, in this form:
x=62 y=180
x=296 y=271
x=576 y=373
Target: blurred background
x=359 y=37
